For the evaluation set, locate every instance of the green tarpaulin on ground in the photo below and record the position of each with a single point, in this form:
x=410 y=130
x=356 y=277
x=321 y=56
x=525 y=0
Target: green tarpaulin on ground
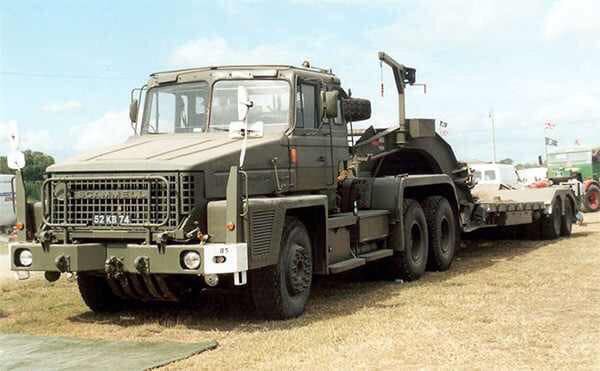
x=26 y=352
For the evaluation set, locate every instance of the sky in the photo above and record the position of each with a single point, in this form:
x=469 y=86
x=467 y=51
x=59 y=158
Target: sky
x=67 y=67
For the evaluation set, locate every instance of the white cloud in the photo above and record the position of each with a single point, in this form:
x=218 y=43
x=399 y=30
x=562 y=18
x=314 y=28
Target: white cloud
x=111 y=128
x=218 y=51
x=461 y=22
x=36 y=140
x=69 y=105
x=579 y=18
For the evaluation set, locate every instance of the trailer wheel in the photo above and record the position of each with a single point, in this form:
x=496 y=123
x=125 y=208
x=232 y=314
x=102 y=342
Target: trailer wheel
x=591 y=199
x=281 y=291
x=410 y=263
x=551 y=224
x=567 y=219
x=442 y=228
x=97 y=295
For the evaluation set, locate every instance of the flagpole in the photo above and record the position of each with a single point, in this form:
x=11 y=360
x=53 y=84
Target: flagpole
x=493 y=136
x=546 y=143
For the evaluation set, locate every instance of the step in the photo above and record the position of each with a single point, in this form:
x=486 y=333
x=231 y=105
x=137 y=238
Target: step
x=377 y=254
x=346 y=265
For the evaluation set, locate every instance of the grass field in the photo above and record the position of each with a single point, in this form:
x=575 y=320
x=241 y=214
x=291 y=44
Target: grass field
x=504 y=304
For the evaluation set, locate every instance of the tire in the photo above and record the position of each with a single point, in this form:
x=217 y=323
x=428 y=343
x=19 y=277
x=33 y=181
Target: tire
x=281 y=291
x=97 y=295
x=443 y=232
x=356 y=109
x=567 y=219
x=533 y=230
x=551 y=224
x=591 y=199
x=410 y=263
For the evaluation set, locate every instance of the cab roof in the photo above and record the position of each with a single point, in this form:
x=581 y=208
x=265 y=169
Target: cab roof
x=246 y=67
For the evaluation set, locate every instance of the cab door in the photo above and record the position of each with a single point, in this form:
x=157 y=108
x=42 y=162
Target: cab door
x=310 y=140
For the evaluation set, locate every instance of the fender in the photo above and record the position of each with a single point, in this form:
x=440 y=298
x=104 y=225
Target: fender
x=389 y=194
x=588 y=182
x=264 y=222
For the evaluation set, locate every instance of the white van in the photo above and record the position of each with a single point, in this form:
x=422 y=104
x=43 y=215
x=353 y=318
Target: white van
x=495 y=174
x=7 y=199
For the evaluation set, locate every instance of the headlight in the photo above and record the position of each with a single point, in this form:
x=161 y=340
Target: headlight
x=25 y=258
x=191 y=260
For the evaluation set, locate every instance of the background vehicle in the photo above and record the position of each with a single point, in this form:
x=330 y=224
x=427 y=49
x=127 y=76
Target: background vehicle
x=531 y=175
x=579 y=163
x=7 y=202
x=243 y=176
x=494 y=174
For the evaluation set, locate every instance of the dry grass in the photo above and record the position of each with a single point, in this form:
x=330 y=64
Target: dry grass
x=505 y=304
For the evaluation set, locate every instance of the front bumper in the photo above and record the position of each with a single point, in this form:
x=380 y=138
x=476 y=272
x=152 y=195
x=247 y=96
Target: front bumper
x=216 y=258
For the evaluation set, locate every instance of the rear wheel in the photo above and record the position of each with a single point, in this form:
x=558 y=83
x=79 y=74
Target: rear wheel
x=282 y=290
x=410 y=263
x=442 y=229
x=567 y=219
x=591 y=200
x=97 y=295
x=551 y=224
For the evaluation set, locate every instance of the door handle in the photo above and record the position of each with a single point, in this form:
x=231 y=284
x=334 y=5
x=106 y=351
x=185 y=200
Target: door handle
x=321 y=159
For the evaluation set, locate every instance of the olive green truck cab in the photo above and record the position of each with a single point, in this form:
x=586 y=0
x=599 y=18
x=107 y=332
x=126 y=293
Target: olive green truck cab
x=247 y=177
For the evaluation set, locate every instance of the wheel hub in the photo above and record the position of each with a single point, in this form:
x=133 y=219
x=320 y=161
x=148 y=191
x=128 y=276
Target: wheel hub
x=299 y=275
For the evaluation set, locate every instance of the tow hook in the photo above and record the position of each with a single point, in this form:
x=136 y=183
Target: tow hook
x=63 y=263
x=142 y=264
x=162 y=240
x=114 y=267
x=46 y=238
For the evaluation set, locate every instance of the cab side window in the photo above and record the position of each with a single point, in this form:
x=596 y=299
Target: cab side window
x=306 y=106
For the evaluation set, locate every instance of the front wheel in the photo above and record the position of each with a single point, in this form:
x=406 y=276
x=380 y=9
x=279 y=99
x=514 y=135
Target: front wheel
x=282 y=290
x=97 y=294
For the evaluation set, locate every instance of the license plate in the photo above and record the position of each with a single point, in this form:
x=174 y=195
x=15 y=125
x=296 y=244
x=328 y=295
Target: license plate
x=111 y=219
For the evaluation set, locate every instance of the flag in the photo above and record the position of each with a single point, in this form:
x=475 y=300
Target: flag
x=549 y=125
x=551 y=142
x=577 y=142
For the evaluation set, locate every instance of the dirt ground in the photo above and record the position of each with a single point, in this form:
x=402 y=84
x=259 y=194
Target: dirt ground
x=504 y=305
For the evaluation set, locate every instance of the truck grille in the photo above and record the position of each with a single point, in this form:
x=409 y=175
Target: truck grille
x=127 y=201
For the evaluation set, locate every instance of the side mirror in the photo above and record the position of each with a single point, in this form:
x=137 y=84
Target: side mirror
x=16 y=160
x=356 y=109
x=133 y=110
x=329 y=107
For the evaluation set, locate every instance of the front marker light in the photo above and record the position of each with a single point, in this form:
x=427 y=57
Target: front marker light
x=191 y=260
x=25 y=258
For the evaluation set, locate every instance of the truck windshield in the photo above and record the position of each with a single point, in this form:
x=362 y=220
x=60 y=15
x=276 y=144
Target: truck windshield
x=176 y=109
x=271 y=100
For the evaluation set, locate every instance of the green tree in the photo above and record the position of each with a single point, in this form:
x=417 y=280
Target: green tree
x=507 y=161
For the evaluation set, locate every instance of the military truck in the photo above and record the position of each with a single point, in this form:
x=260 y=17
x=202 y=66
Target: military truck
x=583 y=164
x=243 y=177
